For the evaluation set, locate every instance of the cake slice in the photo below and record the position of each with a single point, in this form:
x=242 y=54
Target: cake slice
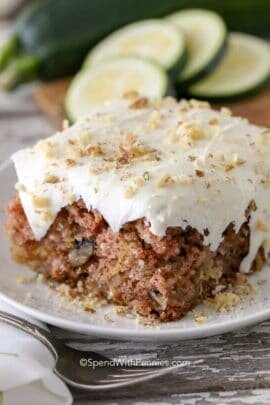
x=153 y=205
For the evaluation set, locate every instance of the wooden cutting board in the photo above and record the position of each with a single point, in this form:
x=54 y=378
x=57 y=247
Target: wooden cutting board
x=50 y=99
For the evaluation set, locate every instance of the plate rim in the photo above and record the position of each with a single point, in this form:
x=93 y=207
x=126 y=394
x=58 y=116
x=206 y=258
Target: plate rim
x=120 y=333
x=144 y=334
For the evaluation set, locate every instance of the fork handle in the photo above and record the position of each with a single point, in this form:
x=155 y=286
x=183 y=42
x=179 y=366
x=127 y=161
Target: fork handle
x=39 y=333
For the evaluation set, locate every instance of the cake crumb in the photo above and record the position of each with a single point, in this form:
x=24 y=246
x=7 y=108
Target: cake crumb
x=223 y=301
x=22 y=279
x=201 y=319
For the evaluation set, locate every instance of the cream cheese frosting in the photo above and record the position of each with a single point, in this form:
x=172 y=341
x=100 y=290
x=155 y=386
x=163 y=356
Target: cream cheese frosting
x=175 y=164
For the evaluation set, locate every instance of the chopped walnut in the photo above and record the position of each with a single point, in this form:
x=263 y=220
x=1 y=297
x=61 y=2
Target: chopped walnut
x=47 y=216
x=229 y=166
x=237 y=160
x=188 y=132
x=168 y=101
x=194 y=131
x=165 y=181
x=40 y=202
x=81 y=252
x=262 y=226
x=223 y=301
x=159 y=299
x=21 y=278
x=200 y=319
x=130 y=152
x=70 y=198
x=139 y=103
x=129 y=138
x=84 y=139
x=154 y=120
x=265 y=182
x=199 y=173
x=262 y=139
x=199 y=104
x=226 y=111
x=46 y=149
x=139 y=181
x=214 y=121
x=183 y=179
x=51 y=179
x=70 y=162
x=253 y=206
x=92 y=150
x=130 y=192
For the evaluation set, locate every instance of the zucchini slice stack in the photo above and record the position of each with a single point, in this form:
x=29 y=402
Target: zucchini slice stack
x=156 y=40
x=244 y=69
x=111 y=79
x=205 y=33
x=188 y=53
x=141 y=56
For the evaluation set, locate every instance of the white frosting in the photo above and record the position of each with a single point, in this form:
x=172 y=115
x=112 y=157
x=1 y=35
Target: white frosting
x=174 y=164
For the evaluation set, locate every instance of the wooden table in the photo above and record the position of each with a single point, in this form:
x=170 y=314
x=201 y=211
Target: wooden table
x=235 y=367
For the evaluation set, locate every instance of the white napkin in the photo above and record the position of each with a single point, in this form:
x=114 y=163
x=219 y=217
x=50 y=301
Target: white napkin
x=26 y=368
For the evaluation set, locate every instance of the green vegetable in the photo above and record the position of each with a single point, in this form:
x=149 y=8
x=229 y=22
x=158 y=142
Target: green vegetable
x=206 y=34
x=156 y=40
x=244 y=70
x=111 y=80
x=58 y=34
x=9 y=50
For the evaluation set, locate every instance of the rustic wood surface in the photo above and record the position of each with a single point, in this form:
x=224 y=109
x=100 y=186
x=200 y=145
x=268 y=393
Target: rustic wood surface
x=234 y=368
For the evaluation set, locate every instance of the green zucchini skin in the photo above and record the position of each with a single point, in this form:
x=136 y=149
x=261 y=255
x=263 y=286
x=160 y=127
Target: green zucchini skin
x=61 y=32
x=184 y=84
x=231 y=97
x=179 y=66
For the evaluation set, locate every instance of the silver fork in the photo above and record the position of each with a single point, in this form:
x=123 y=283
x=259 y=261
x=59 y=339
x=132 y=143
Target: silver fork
x=75 y=366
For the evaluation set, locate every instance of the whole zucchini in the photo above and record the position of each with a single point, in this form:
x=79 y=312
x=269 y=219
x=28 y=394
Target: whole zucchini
x=52 y=37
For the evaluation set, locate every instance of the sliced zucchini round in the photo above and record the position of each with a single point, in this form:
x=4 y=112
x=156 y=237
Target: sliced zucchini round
x=244 y=69
x=110 y=80
x=152 y=39
x=205 y=33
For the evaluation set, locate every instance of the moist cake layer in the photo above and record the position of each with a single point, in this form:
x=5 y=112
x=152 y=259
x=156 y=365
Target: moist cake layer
x=175 y=164
x=161 y=276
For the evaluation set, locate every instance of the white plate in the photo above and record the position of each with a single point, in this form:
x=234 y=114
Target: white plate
x=43 y=303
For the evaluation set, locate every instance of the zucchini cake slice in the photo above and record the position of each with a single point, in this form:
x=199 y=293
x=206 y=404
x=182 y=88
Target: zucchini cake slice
x=154 y=205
